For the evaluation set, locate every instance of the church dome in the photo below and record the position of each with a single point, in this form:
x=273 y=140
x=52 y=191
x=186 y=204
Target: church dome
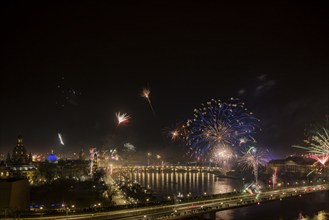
x=52 y=157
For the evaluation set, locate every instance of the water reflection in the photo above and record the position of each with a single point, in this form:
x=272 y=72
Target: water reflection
x=196 y=183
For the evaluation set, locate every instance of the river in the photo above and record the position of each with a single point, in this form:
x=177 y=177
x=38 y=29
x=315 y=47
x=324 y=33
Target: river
x=313 y=206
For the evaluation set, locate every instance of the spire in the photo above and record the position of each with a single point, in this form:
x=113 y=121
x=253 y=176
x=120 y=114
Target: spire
x=30 y=158
x=20 y=140
x=81 y=155
x=8 y=160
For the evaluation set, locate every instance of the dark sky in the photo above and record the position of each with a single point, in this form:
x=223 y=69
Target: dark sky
x=272 y=56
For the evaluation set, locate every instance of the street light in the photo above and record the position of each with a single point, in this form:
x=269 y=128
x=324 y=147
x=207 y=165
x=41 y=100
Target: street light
x=148 y=159
x=158 y=157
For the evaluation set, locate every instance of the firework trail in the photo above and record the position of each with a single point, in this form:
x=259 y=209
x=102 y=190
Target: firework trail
x=122 y=118
x=146 y=94
x=274 y=177
x=92 y=152
x=252 y=158
x=321 y=159
x=60 y=138
x=219 y=123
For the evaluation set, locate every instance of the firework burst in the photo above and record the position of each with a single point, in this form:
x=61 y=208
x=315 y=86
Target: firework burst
x=146 y=94
x=317 y=140
x=218 y=123
x=174 y=134
x=122 y=118
x=178 y=132
x=317 y=144
x=222 y=155
x=252 y=158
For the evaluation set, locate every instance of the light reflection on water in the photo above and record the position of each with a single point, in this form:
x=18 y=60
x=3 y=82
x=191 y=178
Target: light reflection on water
x=314 y=206
x=188 y=182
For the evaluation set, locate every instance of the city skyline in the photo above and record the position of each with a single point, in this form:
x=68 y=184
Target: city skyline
x=69 y=75
x=164 y=110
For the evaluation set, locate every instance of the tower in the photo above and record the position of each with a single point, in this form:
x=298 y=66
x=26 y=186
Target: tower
x=19 y=152
x=95 y=162
x=81 y=155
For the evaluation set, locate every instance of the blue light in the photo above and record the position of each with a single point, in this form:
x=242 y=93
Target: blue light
x=52 y=158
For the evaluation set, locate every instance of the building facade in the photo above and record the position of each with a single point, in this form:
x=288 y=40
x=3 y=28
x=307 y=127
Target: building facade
x=291 y=166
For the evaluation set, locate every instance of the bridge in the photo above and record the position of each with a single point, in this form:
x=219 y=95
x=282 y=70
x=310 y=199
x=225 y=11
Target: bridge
x=170 y=168
x=205 y=208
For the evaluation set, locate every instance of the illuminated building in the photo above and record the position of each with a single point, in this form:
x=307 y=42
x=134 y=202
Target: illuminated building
x=20 y=164
x=291 y=165
x=5 y=172
x=52 y=158
x=19 y=152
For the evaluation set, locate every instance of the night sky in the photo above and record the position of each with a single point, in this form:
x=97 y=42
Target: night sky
x=69 y=67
